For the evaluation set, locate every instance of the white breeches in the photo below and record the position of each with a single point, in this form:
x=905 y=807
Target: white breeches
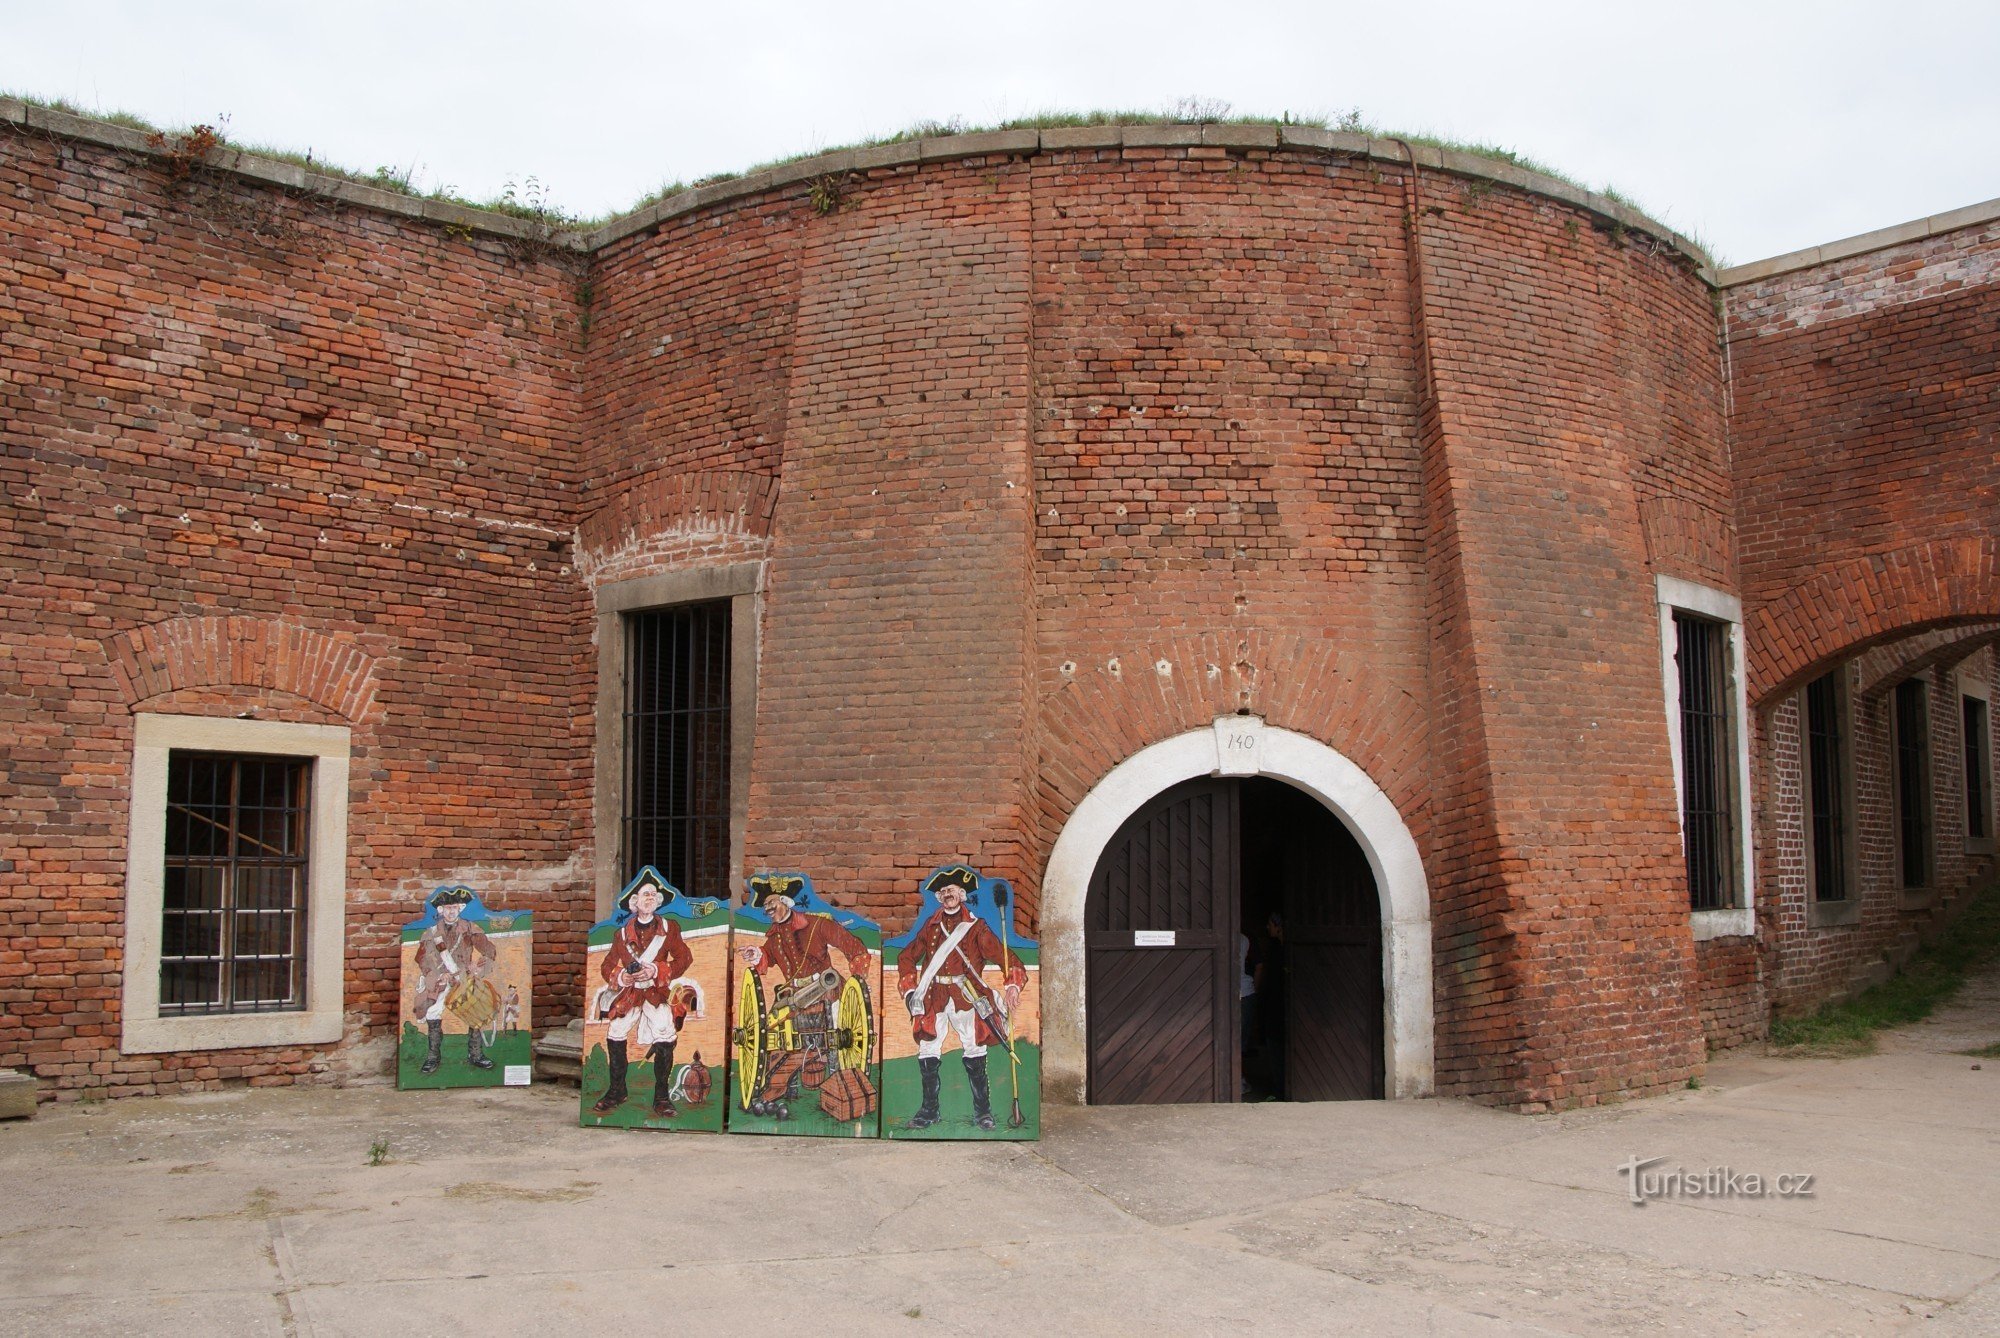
x=435 y=1013
x=961 y=1020
x=654 y=1021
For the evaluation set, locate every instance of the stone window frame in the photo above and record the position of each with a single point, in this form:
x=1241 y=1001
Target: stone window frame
x=329 y=747
x=1977 y=688
x=1847 y=910
x=1676 y=595
x=742 y=584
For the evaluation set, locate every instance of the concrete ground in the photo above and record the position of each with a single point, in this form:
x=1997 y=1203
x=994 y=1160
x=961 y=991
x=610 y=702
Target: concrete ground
x=258 y=1212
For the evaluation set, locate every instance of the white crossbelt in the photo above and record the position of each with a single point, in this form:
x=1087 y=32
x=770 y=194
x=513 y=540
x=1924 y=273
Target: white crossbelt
x=937 y=958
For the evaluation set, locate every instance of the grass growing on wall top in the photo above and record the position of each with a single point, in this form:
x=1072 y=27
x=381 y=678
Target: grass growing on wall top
x=531 y=201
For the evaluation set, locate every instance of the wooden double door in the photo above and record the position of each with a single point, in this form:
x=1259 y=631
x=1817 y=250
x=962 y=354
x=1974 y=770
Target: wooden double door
x=1172 y=899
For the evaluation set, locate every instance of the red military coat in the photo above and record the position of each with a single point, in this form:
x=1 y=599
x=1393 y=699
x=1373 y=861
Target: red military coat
x=471 y=952
x=628 y=947
x=977 y=949
x=797 y=948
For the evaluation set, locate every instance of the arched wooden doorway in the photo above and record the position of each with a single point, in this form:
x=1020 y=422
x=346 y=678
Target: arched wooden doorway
x=1185 y=878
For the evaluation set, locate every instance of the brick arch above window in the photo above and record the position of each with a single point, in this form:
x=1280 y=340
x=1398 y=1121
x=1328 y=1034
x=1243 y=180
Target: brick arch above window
x=331 y=670
x=1868 y=600
x=672 y=521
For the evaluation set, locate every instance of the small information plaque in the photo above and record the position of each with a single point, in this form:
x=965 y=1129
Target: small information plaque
x=1152 y=938
x=519 y=1075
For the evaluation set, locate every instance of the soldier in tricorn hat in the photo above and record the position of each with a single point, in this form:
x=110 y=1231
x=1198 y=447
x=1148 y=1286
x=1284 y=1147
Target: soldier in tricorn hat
x=795 y=951
x=452 y=951
x=647 y=956
x=941 y=976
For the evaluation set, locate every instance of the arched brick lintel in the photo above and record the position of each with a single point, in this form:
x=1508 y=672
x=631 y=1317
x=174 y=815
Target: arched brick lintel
x=332 y=671
x=1867 y=601
x=705 y=499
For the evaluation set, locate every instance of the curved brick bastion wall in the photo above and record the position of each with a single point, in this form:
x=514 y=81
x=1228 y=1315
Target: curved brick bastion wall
x=1041 y=447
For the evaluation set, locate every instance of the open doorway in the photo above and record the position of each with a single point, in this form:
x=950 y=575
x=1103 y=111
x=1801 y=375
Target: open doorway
x=1187 y=883
x=1312 y=925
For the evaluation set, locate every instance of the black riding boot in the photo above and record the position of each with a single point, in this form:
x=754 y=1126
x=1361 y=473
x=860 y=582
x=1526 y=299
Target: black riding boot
x=927 y=1114
x=435 y=1055
x=982 y=1097
x=475 y=1050
x=663 y=1079
x=614 y=1095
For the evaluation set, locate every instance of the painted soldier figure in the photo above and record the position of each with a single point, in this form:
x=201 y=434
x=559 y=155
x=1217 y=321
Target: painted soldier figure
x=644 y=991
x=941 y=976
x=452 y=953
x=797 y=955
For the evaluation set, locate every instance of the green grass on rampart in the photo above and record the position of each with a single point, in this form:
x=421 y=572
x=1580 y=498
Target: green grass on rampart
x=1932 y=975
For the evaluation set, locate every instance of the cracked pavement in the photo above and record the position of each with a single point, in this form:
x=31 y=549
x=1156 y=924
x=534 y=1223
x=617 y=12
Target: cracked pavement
x=257 y=1212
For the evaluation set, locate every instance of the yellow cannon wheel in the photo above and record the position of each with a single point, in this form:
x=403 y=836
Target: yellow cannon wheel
x=852 y=1026
x=748 y=1038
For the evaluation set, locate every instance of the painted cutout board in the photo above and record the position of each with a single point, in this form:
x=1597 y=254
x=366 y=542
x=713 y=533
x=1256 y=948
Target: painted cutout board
x=655 y=1016
x=805 y=1038
x=467 y=986
x=961 y=1025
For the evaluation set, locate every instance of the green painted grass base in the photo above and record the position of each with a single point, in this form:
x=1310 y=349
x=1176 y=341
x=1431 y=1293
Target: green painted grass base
x=807 y=1119
x=510 y=1047
x=637 y=1110
x=902 y=1093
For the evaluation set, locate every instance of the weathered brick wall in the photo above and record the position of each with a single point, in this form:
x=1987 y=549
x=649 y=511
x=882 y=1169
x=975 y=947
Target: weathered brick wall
x=892 y=717
x=1811 y=963
x=1863 y=420
x=1227 y=484
x=1575 y=379
x=249 y=433
x=1865 y=407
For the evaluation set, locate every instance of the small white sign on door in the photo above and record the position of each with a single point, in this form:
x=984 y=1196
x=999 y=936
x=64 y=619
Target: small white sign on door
x=1152 y=938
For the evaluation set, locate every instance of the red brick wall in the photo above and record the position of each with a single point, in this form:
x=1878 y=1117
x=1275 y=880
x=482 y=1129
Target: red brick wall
x=892 y=718
x=1051 y=458
x=1811 y=963
x=275 y=431
x=1865 y=405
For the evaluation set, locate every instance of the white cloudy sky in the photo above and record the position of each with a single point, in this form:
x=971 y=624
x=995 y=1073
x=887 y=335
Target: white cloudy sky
x=1762 y=127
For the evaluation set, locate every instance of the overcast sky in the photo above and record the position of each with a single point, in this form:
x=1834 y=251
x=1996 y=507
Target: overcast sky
x=1759 y=127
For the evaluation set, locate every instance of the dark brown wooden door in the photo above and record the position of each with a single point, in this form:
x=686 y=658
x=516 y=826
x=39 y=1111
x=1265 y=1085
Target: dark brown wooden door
x=1162 y=1018
x=1333 y=949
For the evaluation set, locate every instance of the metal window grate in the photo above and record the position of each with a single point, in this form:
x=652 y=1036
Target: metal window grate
x=1826 y=787
x=1708 y=818
x=1913 y=782
x=676 y=811
x=232 y=933
x=1978 y=769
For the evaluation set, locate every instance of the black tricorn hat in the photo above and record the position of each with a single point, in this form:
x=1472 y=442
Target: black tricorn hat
x=764 y=886
x=451 y=896
x=955 y=876
x=648 y=878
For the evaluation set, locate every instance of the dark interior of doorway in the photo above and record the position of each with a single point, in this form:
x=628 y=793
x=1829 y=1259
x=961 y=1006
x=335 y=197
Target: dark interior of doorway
x=1311 y=919
x=1187 y=879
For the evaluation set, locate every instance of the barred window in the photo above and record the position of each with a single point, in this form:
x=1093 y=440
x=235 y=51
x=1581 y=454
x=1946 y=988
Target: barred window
x=1910 y=719
x=1708 y=758
x=233 y=914
x=1826 y=785
x=1978 y=770
x=677 y=746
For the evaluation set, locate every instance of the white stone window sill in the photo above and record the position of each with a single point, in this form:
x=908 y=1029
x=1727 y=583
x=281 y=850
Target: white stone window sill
x=1737 y=923
x=229 y=1031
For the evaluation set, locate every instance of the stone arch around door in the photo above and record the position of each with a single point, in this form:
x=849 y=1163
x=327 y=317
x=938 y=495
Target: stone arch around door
x=1241 y=746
